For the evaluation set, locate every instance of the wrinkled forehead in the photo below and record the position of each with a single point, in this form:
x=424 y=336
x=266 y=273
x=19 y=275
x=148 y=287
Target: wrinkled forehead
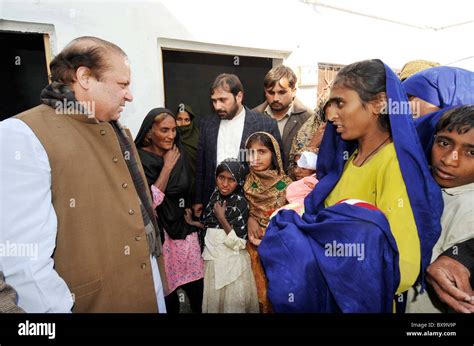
x=118 y=65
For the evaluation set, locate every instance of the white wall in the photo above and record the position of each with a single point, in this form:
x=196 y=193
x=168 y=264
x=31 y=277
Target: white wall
x=249 y=27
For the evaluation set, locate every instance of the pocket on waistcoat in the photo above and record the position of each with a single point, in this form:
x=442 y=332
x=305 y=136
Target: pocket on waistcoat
x=86 y=289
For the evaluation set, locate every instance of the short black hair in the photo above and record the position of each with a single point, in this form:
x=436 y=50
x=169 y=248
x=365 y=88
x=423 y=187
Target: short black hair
x=229 y=82
x=460 y=119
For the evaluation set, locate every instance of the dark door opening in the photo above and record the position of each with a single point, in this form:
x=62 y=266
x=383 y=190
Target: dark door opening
x=189 y=75
x=23 y=70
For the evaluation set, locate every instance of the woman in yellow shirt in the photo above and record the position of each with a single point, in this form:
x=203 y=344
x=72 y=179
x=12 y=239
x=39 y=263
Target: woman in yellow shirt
x=370 y=152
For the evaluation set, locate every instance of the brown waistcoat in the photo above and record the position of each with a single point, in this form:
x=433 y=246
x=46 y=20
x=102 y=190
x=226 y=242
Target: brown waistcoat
x=101 y=247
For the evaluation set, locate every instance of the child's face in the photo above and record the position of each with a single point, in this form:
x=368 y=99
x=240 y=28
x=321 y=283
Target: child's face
x=300 y=173
x=260 y=157
x=452 y=158
x=226 y=183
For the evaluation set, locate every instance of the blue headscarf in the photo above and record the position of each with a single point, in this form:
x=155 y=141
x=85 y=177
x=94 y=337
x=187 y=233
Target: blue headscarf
x=423 y=192
x=442 y=86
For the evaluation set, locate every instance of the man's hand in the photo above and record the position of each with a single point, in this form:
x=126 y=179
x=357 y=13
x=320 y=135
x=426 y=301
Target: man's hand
x=450 y=280
x=254 y=231
x=197 y=210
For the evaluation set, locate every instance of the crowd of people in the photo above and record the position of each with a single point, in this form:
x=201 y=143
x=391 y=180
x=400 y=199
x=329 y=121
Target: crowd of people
x=363 y=205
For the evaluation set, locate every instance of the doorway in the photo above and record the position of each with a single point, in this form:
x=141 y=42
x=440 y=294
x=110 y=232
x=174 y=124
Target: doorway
x=189 y=75
x=24 y=71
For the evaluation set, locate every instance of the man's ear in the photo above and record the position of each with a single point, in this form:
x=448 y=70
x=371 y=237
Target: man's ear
x=239 y=97
x=83 y=77
x=293 y=93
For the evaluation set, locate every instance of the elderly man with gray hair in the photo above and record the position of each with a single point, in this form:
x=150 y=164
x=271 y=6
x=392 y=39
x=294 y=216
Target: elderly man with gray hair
x=73 y=185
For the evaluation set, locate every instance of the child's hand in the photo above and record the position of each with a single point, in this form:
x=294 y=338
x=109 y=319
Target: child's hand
x=254 y=231
x=309 y=184
x=254 y=240
x=219 y=210
x=188 y=216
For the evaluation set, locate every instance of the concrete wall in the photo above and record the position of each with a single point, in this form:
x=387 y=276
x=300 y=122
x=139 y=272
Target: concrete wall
x=298 y=33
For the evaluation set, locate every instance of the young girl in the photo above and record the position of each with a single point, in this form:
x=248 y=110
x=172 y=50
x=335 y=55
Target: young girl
x=229 y=285
x=265 y=191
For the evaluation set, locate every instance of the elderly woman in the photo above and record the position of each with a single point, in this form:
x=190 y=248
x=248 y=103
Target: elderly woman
x=168 y=175
x=372 y=220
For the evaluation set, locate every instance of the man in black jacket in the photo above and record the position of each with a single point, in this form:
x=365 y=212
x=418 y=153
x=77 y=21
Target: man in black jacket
x=223 y=134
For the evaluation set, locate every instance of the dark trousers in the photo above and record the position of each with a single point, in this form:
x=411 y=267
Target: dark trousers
x=194 y=291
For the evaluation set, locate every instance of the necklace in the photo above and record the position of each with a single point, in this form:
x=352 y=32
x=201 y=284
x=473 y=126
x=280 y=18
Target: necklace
x=373 y=151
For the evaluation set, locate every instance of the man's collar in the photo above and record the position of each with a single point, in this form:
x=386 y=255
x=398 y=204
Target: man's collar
x=453 y=191
x=268 y=110
x=240 y=114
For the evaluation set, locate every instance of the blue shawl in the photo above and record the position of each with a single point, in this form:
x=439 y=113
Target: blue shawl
x=308 y=270
x=442 y=86
x=425 y=200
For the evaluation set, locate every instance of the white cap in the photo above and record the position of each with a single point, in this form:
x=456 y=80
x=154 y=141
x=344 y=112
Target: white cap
x=307 y=160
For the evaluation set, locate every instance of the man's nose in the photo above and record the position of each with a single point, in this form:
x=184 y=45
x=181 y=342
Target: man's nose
x=128 y=95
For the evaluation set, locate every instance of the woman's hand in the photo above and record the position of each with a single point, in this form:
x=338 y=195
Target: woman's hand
x=171 y=157
x=317 y=138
